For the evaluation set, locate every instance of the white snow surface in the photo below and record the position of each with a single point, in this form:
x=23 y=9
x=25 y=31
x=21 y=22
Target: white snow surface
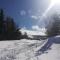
x=26 y=50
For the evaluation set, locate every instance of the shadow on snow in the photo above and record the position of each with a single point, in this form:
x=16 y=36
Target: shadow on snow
x=48 y=45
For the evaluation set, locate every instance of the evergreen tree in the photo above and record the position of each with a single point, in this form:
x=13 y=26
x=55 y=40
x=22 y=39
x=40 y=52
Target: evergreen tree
x=11 y=26
x=8 y=29
x=1 y=20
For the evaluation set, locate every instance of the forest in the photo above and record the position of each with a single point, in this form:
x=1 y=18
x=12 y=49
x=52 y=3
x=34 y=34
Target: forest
x=8 y=28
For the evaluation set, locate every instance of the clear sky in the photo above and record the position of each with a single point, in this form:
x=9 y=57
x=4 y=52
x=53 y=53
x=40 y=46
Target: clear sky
x=26 y=13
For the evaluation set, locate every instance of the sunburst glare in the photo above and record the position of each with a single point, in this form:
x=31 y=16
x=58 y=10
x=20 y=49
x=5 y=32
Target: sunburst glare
x=55 y=2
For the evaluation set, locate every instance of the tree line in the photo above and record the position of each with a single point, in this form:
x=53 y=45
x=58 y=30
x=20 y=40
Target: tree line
x=8 y=28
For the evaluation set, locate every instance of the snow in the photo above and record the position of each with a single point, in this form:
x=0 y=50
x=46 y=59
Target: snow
x=52 y=54
x=25 y=49
x=32 y=32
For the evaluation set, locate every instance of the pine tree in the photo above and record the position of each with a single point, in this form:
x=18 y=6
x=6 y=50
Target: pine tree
x=1 y=20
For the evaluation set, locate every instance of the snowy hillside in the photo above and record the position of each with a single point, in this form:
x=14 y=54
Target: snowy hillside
x=19 y=50
x=30 y=49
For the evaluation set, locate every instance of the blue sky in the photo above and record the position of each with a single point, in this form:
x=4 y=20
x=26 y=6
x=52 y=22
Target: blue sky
x=26 y=13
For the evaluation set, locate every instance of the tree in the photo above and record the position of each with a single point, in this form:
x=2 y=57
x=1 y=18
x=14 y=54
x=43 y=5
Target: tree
x=54 y=28
x=25 y=35
x=8 y=28
x=18 y=34
x=11 y=26
x=12 y=31
x=1 y=20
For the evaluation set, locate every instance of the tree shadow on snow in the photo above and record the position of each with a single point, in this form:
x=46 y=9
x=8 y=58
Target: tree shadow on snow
x=47 y=46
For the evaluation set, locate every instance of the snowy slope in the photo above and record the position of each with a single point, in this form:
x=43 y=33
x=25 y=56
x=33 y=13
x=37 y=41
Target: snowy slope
x=30 y=49
x=50 y=50
x=19 y=49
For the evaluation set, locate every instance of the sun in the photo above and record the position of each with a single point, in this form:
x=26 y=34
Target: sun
x=53 y=2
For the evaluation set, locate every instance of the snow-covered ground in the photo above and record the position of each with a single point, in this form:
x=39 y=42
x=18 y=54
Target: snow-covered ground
x=30 y=49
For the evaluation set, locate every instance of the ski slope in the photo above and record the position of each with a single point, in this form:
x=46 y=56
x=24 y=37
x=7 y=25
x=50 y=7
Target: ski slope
x=30 y=49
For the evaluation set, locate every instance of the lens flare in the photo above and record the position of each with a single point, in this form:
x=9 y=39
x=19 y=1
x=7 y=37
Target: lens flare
x=55 y=2
x=52 y=3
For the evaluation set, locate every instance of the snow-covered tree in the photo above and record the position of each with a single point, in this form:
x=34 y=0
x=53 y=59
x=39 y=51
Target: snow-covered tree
x=54 y=28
